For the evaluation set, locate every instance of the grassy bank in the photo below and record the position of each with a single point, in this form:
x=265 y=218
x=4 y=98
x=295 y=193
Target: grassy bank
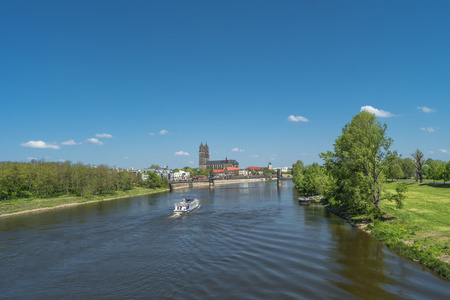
x=30 y=204
x=421 y=230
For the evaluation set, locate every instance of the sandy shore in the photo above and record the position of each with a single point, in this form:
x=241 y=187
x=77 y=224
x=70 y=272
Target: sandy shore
x=76 y=204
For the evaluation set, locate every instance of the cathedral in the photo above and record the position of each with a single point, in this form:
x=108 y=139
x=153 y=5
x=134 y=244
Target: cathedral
x=204 y=163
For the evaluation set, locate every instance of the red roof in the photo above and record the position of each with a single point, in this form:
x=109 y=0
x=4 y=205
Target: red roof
x=232 y=169
x=218 y=171
x=254 y=168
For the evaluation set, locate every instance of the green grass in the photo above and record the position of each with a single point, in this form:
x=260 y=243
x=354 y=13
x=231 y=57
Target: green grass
x=421 y=230
x=426 y=214
x=12 y=206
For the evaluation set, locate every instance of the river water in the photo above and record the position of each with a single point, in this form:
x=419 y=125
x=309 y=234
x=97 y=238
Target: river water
x=246 y=241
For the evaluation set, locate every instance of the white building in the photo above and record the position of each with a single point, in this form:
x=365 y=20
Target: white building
x=243 y=172
x=283 y=169
x=165 y=173
x=181 y=175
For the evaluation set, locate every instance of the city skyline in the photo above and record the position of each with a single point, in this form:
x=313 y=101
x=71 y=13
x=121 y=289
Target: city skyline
x=134 y=84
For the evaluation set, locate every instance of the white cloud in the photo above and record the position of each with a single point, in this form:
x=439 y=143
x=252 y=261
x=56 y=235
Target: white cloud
x=431 y=152
x=254 y=156
x=39 y=144
x=103 y=135
x=31 y=158
x=164 y=132
x=151 y=133
x=237 y=150
x=95 y=141
x=69 y=143
x=293 y=118
x=181 y=153
x=426 y=109
x=377 y=112
x=429 y=129
x=444 y=150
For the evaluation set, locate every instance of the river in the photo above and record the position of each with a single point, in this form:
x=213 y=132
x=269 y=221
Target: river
x=246 y=241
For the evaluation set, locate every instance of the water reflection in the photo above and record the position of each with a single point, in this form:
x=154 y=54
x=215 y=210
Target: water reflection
x=360 y=263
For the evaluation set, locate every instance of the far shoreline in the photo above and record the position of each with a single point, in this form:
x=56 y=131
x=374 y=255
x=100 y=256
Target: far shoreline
x=79 y=202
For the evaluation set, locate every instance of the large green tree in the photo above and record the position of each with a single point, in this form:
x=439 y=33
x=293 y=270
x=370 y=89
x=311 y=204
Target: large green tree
x=361 y=153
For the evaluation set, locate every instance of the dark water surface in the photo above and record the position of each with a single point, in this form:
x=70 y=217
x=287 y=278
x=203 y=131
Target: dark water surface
x=246 y=241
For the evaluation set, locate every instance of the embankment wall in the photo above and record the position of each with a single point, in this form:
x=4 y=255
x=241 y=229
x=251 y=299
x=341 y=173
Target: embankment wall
x=175 y=186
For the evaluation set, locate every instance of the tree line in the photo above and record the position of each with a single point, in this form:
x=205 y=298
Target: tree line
x=418 y=168
x=40 y=179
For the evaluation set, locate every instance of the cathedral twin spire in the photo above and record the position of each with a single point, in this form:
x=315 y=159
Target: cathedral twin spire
x=204 y=162
x=204 y=147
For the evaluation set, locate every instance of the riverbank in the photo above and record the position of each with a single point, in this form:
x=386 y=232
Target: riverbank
x=420 y=231
x=28 y=205
x=22 y=206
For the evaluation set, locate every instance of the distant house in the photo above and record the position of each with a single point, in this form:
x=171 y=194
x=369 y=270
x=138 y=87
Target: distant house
x=181 y=175
x=244 y=172
x=255 y=170
x=232 y=170
x=283 y=169
x=200 y=178
x=165 y=173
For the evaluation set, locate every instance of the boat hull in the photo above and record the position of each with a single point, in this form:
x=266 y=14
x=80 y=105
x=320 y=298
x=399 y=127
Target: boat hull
x=304 y=201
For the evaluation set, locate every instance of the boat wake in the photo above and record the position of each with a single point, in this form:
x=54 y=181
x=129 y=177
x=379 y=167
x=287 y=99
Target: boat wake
x=177 y=214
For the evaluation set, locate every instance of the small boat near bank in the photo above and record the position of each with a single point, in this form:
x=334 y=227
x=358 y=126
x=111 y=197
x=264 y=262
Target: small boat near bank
x=308 y=200
x=304 y=200
x=187 y=204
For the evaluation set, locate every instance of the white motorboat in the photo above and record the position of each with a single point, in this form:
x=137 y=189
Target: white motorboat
x=187 y=204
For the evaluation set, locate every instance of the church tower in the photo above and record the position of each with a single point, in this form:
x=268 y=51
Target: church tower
x=203 y=156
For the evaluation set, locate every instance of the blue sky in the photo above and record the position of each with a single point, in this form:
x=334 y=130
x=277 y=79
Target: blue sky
x=135 y=83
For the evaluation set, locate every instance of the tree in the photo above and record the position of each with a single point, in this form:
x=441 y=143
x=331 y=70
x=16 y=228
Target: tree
x=297 y=172
x=394 y=171
x=360 y=156
x=435 y=169
x=312 y=180
x=445 y=172
x=155 y=181
x=407 y=168
x=418 y=163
